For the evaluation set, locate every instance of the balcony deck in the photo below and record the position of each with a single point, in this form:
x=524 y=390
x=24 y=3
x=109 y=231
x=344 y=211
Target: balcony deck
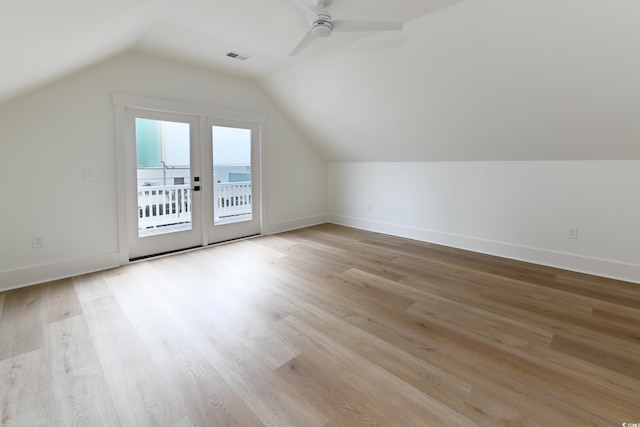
x=162 y=230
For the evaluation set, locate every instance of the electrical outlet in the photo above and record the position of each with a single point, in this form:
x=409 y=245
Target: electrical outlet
x=37 y=241
x=572 y=233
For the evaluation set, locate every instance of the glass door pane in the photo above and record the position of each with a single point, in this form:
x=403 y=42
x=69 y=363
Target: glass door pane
x=232 y=175
x=163 y=176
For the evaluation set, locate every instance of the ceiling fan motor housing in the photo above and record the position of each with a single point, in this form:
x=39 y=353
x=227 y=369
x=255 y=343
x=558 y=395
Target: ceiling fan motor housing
x=322 y=28
x=322 y=23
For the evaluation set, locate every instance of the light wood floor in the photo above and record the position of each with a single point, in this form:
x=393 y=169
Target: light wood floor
x=325 y=326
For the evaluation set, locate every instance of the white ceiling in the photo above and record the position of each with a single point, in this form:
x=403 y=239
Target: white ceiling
x=476 y=80
x=43 y=40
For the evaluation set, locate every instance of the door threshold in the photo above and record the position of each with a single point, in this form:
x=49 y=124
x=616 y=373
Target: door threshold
x=235 y=239
x=162 y=254
x=191 y=249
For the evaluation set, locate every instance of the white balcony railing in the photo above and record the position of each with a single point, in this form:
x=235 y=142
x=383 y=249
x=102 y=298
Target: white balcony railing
x=231 y=199
x=162 y=205
x=168 y=205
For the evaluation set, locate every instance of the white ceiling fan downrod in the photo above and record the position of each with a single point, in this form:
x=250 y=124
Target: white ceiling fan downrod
x=322 y=4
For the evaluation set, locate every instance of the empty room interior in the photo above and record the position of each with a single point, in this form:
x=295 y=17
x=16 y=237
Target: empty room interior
x=320 y=213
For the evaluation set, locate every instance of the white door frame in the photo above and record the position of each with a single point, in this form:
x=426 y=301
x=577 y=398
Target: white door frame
x=204 y=113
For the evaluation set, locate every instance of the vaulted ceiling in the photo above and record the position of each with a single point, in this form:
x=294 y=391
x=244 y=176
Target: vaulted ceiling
x=41 y=40
x=464 y=80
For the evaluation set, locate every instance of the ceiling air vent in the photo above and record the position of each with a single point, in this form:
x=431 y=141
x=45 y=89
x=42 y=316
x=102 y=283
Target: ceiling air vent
x=238 y=56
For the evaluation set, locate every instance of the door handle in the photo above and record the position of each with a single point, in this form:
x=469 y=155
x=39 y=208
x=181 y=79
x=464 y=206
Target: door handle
x=196 y=188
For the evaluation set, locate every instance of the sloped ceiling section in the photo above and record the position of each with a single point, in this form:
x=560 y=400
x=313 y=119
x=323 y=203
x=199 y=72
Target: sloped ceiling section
x=480 y=80
x=44 y=40
x=465 y=79
x=201 y=32
x=41 y=41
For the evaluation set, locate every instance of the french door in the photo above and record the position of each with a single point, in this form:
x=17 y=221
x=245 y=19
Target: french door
x=192 y=180
x=232 y=150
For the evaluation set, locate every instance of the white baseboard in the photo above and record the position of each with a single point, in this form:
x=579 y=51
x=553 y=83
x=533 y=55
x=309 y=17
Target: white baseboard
x=577 y=263
x=294 y=224
x=26 y=276
x=13 y=279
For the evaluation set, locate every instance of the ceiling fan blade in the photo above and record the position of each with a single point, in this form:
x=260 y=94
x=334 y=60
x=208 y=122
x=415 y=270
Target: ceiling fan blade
x=349 y=26
x=309 y=14
x=306 y=41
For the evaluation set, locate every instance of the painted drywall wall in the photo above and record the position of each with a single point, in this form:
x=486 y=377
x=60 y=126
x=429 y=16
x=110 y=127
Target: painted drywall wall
x=519 y=210
x=480 y=80
x=48 y=138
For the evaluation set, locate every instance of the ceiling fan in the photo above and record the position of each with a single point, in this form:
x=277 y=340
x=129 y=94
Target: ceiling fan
x=322 y=24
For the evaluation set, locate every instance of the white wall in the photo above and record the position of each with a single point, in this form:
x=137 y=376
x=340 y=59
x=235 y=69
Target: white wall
x=519 y=210
x=48 y=137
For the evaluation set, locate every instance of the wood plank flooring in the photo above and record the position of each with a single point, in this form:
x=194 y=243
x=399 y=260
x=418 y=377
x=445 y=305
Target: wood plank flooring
x=323 y=326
